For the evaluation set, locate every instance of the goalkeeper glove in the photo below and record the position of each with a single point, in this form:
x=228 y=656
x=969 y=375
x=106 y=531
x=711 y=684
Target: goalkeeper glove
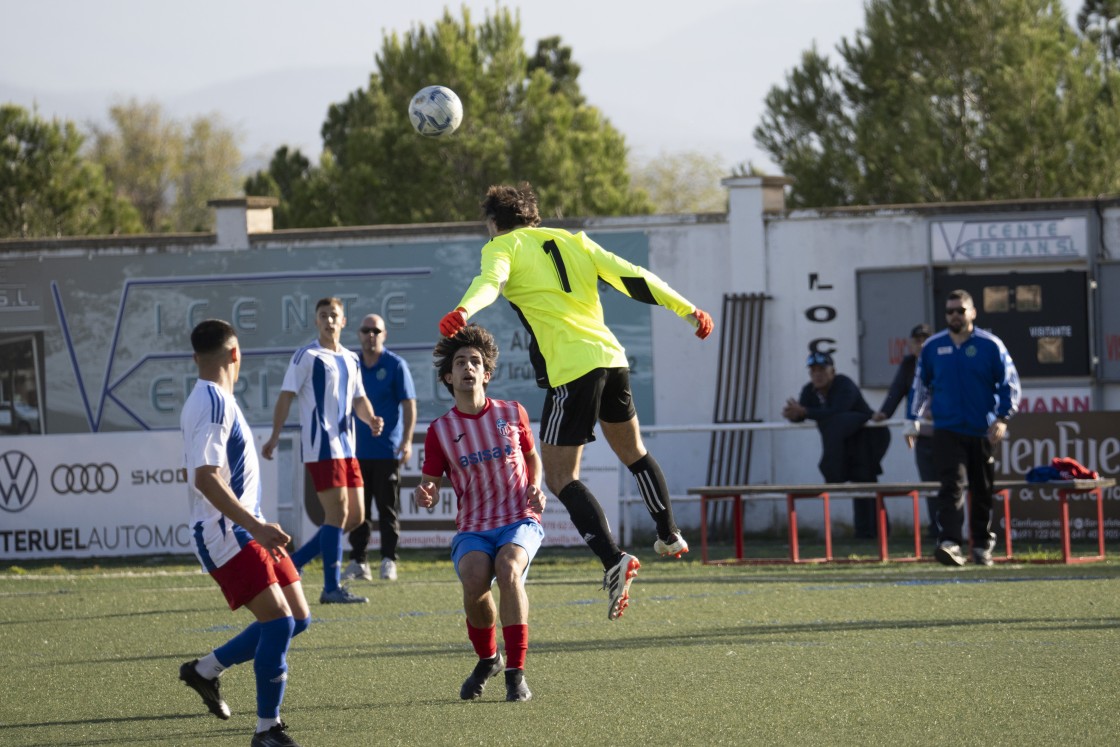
x=452 y=322
x=703 y=323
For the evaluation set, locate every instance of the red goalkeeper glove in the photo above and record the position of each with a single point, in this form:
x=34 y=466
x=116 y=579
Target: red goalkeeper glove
x=703 y=324
x=452 y=322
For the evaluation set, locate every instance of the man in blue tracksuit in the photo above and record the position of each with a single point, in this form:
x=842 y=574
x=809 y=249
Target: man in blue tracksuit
x=968 y=378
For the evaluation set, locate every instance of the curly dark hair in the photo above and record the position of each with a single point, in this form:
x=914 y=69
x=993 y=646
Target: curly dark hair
x=471 y=336
x=511 y=207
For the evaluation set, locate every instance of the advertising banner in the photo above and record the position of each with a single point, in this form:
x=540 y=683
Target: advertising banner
x=106 y=495
x=1093 y=439
x=1010 y=239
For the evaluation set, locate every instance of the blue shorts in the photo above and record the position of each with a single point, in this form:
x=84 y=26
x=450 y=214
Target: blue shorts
x=526 y=534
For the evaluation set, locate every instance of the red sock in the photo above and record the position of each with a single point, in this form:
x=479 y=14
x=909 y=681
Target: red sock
x=517 y=645
x=484 y=640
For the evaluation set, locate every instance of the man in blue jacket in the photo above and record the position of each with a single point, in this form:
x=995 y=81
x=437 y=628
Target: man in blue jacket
x=968 y=378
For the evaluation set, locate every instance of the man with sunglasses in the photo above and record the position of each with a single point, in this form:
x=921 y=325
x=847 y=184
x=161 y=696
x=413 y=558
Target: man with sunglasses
x=969 y=381
x=388 y=383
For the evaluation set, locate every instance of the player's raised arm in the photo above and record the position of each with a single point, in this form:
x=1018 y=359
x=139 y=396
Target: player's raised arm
x=643 y=285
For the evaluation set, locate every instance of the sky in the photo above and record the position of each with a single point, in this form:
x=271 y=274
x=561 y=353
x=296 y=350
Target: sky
x=671 y=76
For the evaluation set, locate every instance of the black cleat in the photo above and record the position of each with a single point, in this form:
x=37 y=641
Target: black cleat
x=485 y=669
x=277 y=736
x=342 y=595
x=516 y=689
x=209 y=690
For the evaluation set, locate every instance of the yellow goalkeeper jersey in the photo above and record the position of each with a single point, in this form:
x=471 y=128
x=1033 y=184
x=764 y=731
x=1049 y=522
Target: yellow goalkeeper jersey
x=550 y=277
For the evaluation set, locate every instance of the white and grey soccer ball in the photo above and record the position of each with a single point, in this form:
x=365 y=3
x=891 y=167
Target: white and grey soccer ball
x=435 y=111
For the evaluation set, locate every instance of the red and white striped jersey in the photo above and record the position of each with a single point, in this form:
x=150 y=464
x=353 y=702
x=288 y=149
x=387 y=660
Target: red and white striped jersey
x=484 y=456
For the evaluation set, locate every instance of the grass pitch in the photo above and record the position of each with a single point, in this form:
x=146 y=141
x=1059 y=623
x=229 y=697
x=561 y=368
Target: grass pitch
x=896 y=654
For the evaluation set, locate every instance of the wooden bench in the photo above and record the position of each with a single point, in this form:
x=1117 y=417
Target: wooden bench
x=881 y=491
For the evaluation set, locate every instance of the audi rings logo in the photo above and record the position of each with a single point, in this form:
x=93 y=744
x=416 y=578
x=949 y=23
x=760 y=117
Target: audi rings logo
x=84 y=478
x=19 y=481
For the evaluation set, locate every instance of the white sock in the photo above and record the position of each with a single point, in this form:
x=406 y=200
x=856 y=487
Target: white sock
x=209 y=667
x=264 y=724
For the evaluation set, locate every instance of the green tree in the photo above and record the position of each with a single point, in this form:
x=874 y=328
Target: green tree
x=142 y=153
x=305 y=191
x=522 y=120
x=945 y=100
x=168 y=170
x=211 y=162
x=1099 y=21
x=685 y=182
x=47 y=189
x=556 y=60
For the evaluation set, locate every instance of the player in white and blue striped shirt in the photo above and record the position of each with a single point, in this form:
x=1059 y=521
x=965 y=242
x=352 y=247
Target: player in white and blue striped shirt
x=326 y=379
x=243 y=553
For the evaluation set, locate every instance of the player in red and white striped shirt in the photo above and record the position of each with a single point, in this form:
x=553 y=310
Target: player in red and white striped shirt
x=486 y=448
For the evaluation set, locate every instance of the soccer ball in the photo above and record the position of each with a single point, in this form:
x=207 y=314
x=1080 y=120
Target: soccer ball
x=435 y=111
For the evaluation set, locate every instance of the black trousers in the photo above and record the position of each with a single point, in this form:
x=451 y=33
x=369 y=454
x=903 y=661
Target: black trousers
x=964 y=460
x=927 y=471
x=382 y=478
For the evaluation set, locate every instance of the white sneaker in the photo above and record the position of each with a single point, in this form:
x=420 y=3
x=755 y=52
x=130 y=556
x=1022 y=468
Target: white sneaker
x=357 y=570
x=676 y=546
x=388 y=570
x=949 y=553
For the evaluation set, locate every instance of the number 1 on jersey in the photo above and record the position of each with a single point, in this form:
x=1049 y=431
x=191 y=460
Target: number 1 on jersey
x=550 y=247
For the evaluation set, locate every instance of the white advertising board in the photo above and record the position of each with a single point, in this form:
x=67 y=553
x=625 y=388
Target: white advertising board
x=1010 y=239
x=99 y=495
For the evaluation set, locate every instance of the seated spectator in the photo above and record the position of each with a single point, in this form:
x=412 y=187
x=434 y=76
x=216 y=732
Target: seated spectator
x=849 y=452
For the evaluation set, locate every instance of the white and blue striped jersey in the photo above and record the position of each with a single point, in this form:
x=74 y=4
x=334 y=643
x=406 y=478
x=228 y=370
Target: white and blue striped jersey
x=326 y=384
x=216 y=434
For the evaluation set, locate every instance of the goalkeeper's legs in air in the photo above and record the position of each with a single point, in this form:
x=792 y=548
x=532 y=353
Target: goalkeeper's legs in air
x=626 y=441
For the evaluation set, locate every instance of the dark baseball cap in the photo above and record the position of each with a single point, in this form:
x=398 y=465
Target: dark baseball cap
x=819 y=359
x=921 y=330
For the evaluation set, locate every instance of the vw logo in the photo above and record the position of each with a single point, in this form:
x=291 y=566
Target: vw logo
x=84 y=478
x=19 y=480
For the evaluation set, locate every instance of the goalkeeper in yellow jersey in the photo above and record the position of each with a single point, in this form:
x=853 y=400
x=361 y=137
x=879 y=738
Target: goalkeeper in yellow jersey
x=550 y=277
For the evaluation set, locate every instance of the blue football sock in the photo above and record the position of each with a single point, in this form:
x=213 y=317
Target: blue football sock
x=271 y=665
x=308 y=552
x=241 y=648
x=331 y=538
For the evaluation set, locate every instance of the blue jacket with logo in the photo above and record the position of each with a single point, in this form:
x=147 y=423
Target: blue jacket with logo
x=967 y=386
x=387 y=384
